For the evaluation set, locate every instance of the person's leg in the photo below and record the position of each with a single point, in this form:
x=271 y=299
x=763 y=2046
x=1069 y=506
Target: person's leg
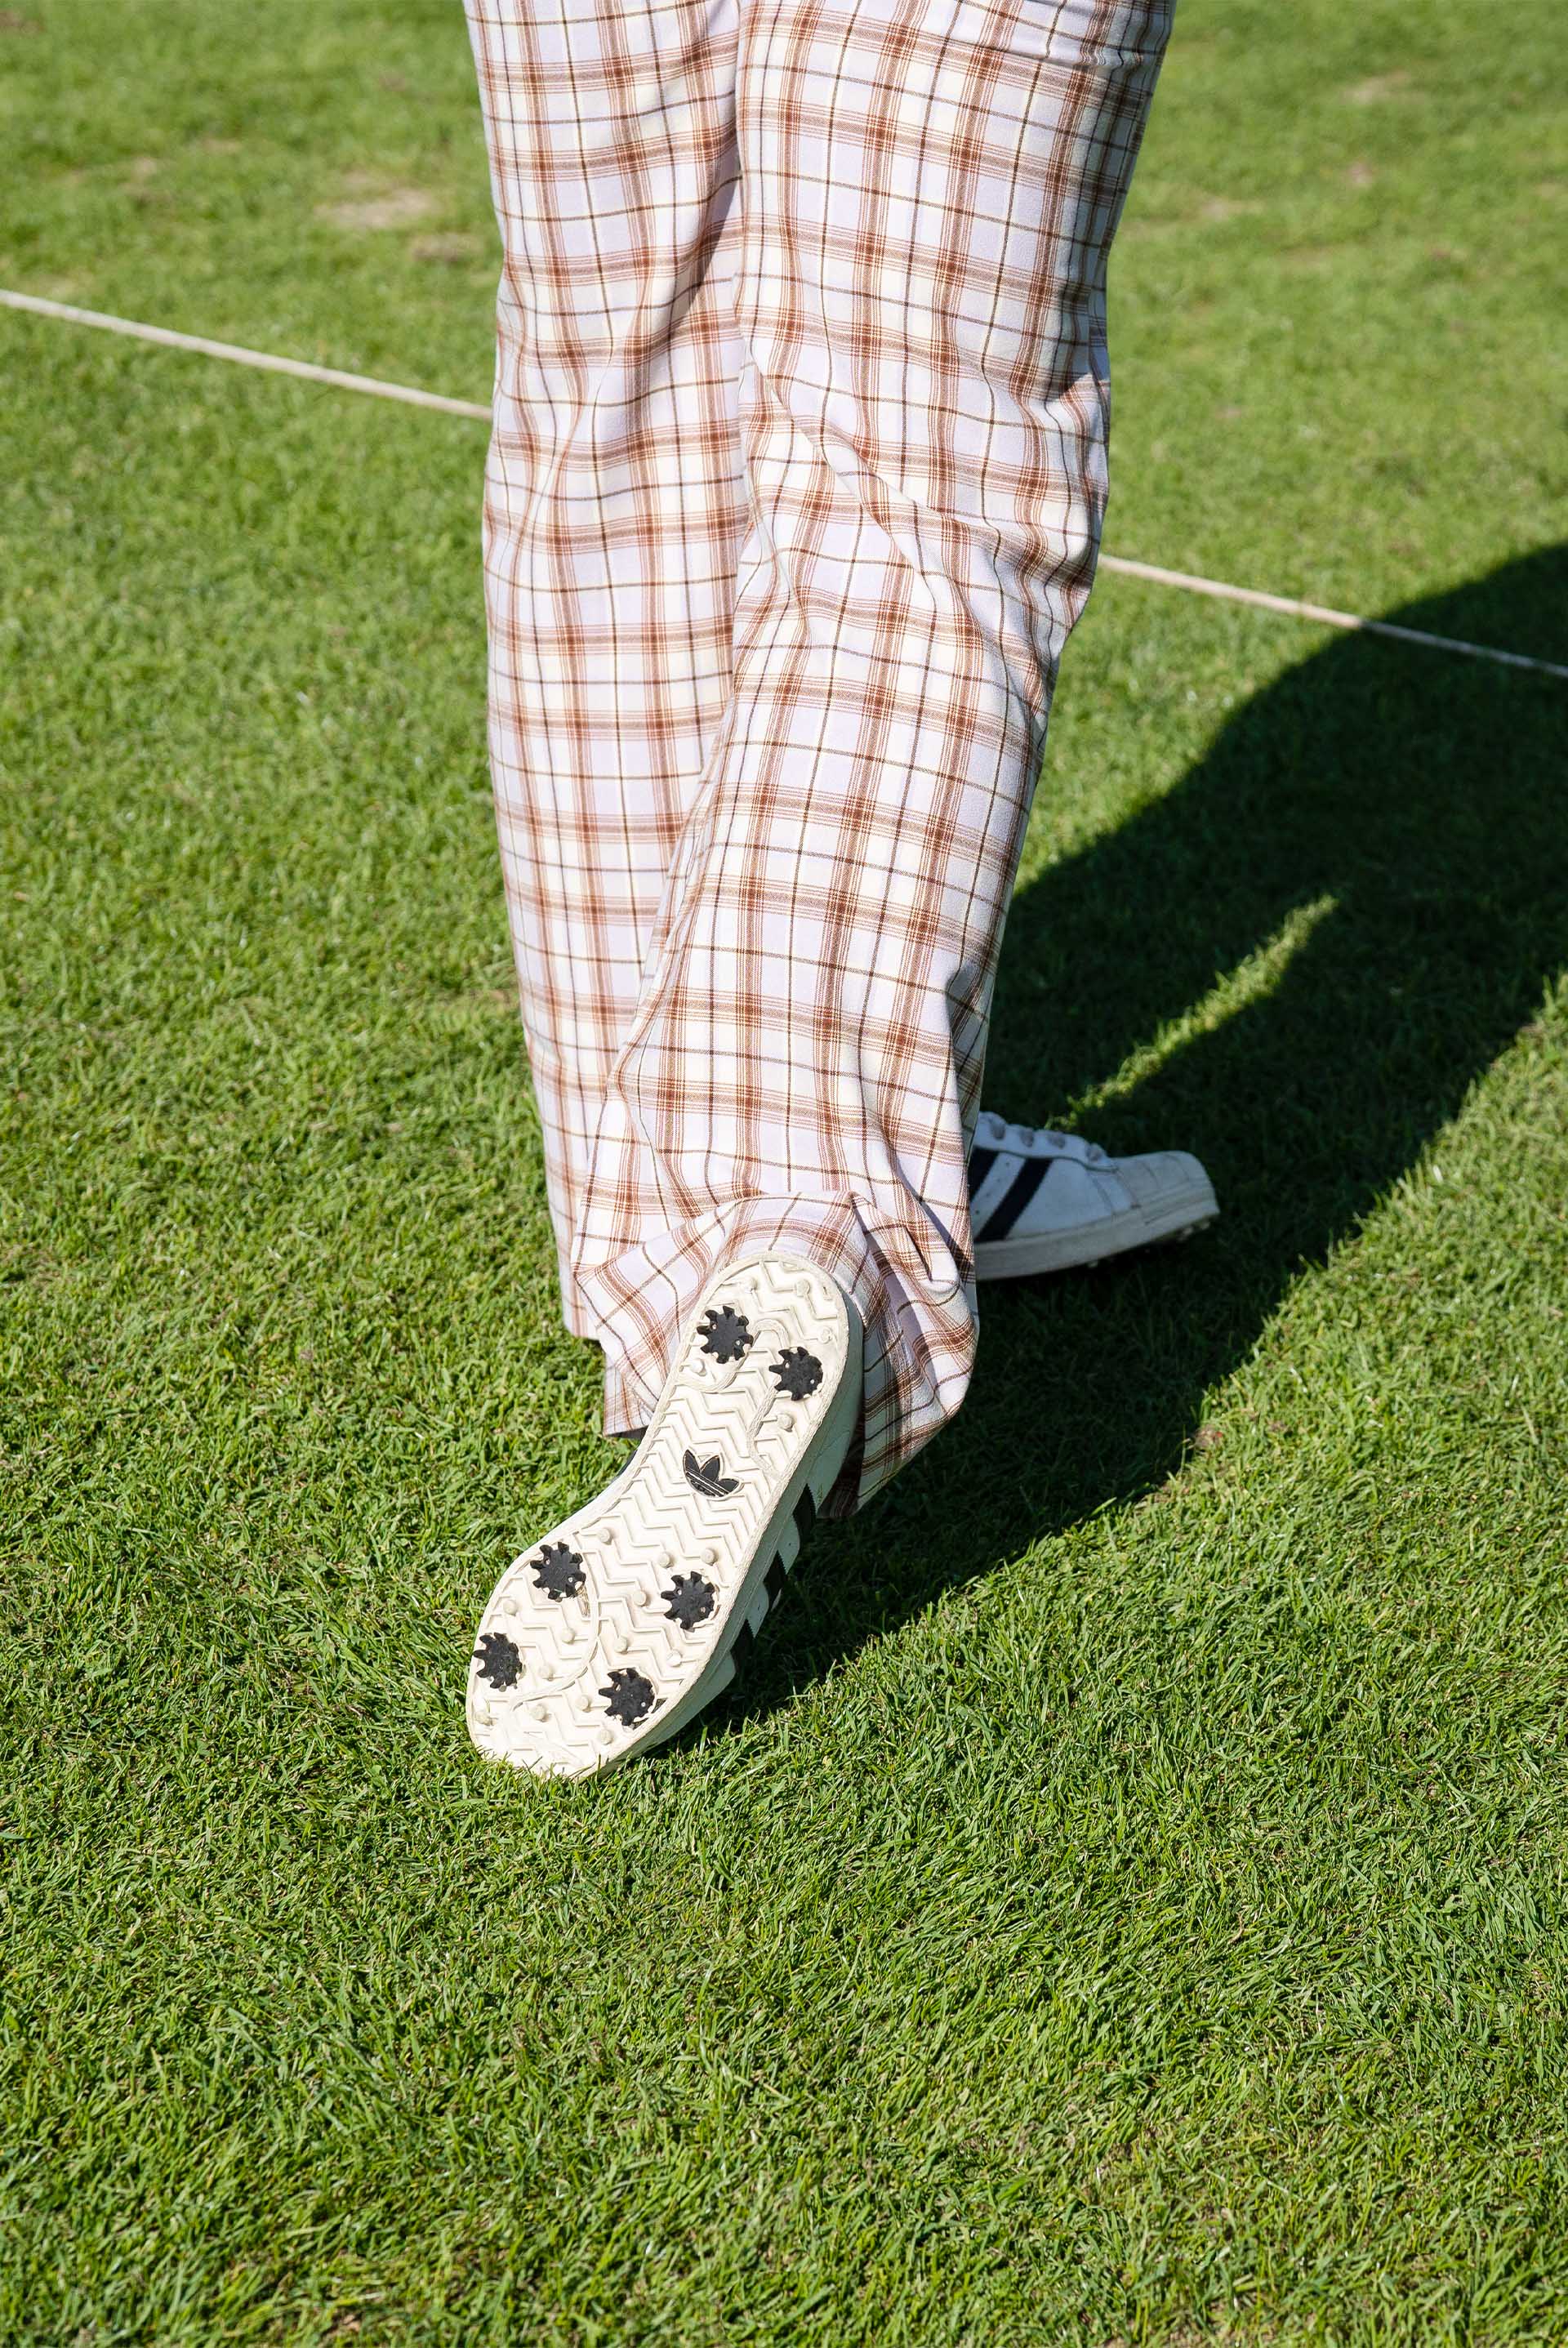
x=614 y=502
x=928 y=197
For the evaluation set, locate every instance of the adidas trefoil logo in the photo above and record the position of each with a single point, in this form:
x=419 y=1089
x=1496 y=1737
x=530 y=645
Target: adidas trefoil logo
x=707 y=1477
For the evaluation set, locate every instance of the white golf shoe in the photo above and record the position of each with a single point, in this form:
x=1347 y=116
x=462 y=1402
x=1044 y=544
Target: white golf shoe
x=618 y=1627
x=1045 y=1202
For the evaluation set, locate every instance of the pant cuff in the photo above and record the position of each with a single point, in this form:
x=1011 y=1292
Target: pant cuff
x=917 y=1308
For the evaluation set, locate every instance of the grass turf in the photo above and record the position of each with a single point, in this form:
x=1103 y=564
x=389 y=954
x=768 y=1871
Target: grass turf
x=1126 y=1903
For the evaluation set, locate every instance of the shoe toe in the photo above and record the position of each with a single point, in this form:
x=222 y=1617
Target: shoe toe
x=1164 y=1175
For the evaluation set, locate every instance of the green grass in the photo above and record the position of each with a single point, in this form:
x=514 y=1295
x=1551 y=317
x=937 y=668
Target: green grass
x=1126 y=1903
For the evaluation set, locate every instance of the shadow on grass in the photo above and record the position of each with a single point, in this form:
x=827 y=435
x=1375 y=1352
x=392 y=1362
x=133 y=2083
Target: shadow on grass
x=1425 y=797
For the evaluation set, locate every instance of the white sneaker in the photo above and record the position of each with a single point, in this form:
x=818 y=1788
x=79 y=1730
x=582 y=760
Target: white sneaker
x=1044 y=1201
x=618 y=1628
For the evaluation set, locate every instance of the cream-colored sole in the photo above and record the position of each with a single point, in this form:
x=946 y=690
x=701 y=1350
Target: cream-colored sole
x=613 y=1631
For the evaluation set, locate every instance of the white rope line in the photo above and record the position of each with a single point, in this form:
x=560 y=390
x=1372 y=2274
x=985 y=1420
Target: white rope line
x=1321 y=613
x=241 y=357
x=1151 y=572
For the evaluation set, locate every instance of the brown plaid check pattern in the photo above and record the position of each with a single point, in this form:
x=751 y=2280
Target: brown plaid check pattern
x=793 y=496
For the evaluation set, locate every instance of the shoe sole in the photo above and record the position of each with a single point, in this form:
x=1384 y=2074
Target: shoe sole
x=1178 y=1218
x=674 y=1536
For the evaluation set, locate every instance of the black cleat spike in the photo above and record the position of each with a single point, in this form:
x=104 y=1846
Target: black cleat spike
x=689 y=1601
x=632 y=1697
x=558 y=1571
x=725 y=1333
x=797 y=1372
x=498 y=1659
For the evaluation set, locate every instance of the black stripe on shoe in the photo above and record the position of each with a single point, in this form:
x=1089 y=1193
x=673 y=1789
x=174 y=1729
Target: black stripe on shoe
x=773 y=1582
x=777 y=1574
x=981 y=1161
x=1014 y=1200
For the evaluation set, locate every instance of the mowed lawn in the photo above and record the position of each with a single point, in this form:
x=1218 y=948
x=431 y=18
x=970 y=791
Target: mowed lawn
x=1126 y=1901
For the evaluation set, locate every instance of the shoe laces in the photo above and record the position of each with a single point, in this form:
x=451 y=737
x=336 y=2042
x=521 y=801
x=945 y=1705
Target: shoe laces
x=1044 y=1140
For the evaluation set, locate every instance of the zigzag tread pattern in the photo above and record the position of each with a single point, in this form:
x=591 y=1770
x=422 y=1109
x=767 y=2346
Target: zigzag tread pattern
x=542 y=1689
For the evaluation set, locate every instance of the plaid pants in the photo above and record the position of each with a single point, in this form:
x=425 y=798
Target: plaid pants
x=793 y=496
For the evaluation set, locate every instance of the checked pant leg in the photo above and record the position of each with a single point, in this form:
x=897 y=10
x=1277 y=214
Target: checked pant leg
x=614 y=503
x=928 y=193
